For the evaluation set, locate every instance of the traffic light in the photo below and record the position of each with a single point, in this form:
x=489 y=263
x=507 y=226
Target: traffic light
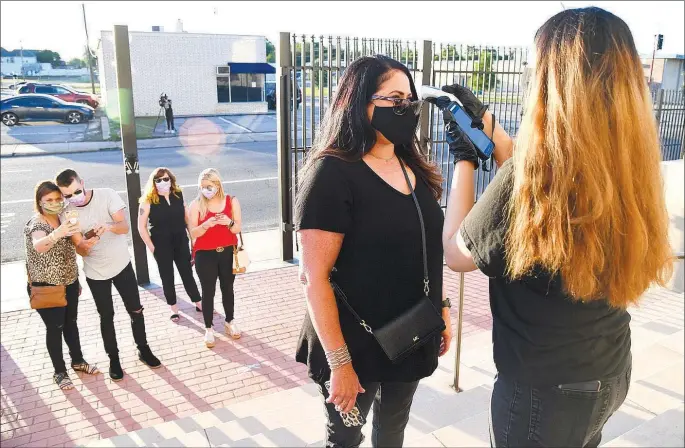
x=659 y=41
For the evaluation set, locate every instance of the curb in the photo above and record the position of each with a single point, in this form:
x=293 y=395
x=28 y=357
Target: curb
x=116 y=146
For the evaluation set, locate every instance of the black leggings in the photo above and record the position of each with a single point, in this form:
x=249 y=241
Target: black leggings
x=170 y=123
x=61 y=322
x=169 y=250
x=211 y=265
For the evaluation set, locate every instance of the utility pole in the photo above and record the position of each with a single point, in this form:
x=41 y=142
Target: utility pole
x=122 y=55
x=21 y=56
x=90 y=58
x=658 y=44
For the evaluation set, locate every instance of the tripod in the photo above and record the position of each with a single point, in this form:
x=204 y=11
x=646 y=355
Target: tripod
x=159 y=114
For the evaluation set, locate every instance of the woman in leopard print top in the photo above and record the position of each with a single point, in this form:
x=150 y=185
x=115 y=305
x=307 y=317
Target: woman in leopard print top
x=51 y=260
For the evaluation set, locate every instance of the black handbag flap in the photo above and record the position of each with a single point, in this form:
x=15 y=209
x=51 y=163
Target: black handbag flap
x=410 y=330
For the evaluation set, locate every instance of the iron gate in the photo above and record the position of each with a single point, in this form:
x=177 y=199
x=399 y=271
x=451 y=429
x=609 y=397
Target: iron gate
x=309 y=68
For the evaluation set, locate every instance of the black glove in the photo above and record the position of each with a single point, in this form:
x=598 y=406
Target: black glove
x=459 y=144
x=472 y=105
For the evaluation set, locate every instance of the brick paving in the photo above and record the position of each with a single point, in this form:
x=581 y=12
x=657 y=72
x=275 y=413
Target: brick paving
x=269 y=307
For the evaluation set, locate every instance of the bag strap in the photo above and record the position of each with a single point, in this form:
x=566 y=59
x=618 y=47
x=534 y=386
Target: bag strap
x=343 y=298
x=426 y=282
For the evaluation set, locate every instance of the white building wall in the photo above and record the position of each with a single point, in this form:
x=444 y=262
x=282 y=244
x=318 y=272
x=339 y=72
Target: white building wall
x=672 y=78
x=7 y=67
x=182 y=65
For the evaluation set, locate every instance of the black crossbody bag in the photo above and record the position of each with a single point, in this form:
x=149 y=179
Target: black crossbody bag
x=407 y=332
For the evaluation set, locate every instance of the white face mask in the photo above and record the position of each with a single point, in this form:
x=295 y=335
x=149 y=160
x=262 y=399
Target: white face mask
x=78 y=199
x=163 y=187
x=209 y=192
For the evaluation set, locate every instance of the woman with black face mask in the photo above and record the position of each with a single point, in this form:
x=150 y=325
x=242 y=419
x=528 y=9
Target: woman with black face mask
x=359 y=221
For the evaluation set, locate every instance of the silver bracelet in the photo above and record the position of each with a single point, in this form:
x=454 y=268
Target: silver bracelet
x=338 y=358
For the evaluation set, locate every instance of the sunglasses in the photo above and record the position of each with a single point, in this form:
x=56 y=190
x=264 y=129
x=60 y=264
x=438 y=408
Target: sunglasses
x=162 y=179
x=76 y=193
x=400 y=105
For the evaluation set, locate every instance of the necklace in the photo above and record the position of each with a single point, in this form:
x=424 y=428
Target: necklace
x=388 y=160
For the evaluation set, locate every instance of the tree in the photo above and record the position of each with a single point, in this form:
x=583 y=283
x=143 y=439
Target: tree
x=270 y=51
x=76 y=63
x=49 y=57
x=484 y=78
x=93 y=57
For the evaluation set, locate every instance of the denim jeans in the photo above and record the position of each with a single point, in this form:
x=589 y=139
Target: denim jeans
x=127 y=286
x=391 y=405
x=566 y=415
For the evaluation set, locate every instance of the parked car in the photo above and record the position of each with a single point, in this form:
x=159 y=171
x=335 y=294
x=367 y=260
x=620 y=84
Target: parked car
x=271 y=96
x=37 y=107
x=18 y=85
x=62 y=92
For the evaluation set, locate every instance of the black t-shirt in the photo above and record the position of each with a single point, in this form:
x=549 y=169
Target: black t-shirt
x=168 y=219
x=540 y=335
x=379 y=267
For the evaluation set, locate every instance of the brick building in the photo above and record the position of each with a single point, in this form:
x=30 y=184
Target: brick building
x=203 y=74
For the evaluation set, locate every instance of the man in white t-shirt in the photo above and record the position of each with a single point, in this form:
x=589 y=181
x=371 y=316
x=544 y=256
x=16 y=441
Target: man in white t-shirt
x=103 y=245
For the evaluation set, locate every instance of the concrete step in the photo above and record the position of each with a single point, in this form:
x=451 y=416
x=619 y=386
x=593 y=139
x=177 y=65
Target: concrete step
x=651 y=416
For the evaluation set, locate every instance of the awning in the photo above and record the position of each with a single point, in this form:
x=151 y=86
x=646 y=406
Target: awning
x=251 y=67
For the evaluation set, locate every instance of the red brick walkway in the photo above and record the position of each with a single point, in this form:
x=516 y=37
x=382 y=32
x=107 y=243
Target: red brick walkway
x=269 y=305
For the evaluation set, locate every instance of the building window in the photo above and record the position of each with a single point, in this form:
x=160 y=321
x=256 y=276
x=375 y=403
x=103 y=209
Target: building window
x=240 y=88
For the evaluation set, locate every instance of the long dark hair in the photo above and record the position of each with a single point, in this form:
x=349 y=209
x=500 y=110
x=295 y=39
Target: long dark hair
x=346 y=131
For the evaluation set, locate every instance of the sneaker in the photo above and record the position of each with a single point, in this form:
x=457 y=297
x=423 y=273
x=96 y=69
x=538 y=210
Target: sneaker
x=146 y=357
x=115 y=372
x=209 y=338
x=167 y=131
x=232 y=329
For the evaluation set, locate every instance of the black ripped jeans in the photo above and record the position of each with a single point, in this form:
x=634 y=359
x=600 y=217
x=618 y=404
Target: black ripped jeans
x=127 y=286
x=61 y=322
x=565 y=415
x=391 y=407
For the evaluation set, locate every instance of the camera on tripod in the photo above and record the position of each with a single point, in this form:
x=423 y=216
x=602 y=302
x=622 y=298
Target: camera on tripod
x=163 y=100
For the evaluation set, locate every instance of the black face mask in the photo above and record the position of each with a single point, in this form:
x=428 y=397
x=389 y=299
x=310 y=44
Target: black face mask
x=398 y=129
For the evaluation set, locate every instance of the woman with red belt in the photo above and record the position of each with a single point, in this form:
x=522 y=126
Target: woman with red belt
x=215 y=220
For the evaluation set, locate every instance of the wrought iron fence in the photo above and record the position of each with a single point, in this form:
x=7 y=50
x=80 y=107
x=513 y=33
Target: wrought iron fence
x=669 y=109
x=310 y=67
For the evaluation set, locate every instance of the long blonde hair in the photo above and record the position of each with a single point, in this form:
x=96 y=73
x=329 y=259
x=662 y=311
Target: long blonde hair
x=213 y=176
x=150 y=195
x=588 y=200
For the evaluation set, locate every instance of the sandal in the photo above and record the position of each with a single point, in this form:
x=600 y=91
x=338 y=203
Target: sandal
x=63 y=381
x=85 y=368
x=175 y=318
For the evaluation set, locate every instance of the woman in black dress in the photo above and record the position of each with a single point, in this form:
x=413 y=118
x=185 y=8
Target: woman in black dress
x=162 y=206
x=356 y=217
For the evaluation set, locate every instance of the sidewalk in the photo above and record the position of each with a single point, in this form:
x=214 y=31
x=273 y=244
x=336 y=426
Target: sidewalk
x=270 y=307
x=16 y=150
x=251 y=392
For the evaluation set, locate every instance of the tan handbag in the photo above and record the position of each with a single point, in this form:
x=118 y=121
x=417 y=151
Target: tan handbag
x=241 y=260
x=46 y=296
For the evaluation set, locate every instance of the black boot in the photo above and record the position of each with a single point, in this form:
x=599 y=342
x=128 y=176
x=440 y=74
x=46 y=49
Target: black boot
x=146 y=356
x=115 y=371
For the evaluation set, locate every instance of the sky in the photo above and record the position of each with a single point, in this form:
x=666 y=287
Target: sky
x=58 y=25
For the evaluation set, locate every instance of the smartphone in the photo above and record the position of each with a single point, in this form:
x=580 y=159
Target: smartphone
x=71 y=216
x=352 y=418
x=481 y=141
x=90 y=234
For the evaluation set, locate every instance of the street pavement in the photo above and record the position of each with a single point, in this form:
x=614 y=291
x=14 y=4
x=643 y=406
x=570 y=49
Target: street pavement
x=249 y=171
